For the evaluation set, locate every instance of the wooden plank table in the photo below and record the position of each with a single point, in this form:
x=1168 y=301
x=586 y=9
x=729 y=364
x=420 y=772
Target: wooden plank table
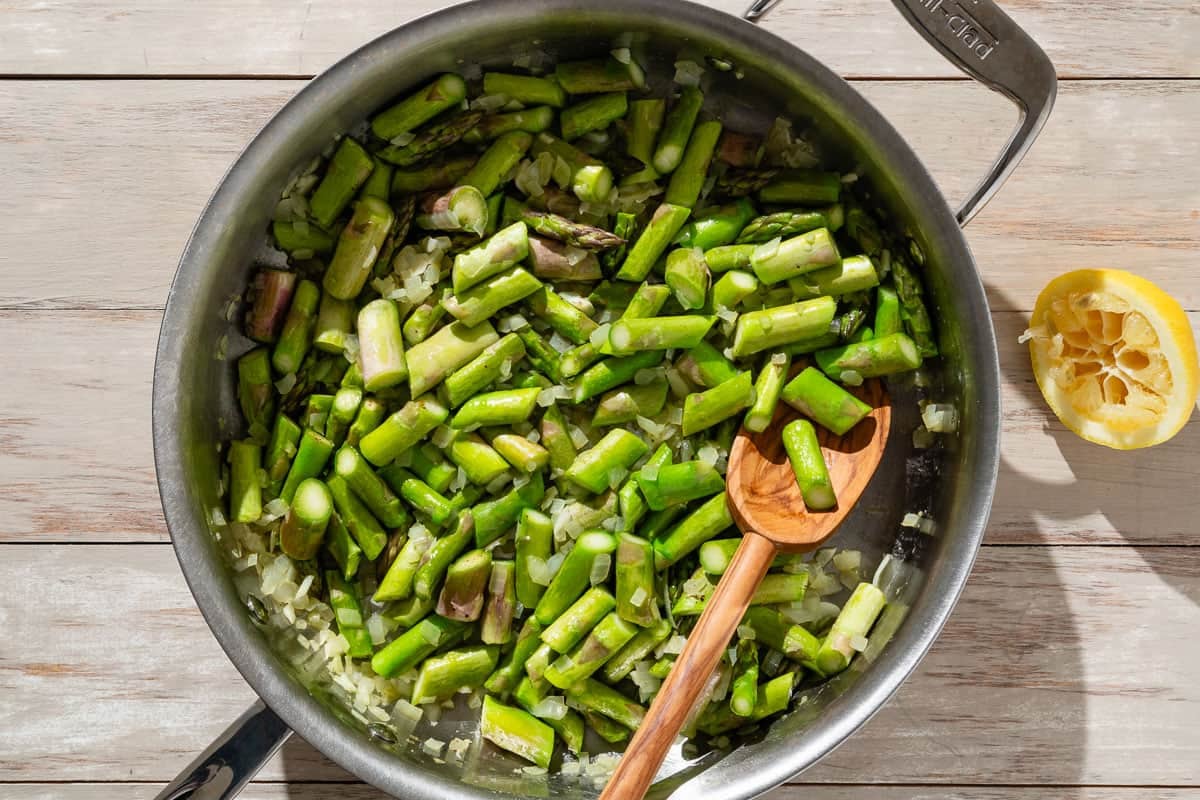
x=1071 y=667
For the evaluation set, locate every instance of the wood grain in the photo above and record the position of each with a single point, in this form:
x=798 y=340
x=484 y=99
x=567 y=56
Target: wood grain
x=1059 y=666
x=763 y=493
x=114 y=174
x=77 y=462
x=297 y=790
x=279 y=37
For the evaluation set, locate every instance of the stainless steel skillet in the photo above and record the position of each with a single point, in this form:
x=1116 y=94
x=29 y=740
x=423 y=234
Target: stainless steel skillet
x=194 y=405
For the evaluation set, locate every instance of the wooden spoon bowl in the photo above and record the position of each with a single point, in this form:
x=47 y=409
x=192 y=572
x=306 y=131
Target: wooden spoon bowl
x=765 y=502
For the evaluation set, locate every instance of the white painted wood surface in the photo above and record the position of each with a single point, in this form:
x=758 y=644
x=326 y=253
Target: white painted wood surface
x=1066 y=673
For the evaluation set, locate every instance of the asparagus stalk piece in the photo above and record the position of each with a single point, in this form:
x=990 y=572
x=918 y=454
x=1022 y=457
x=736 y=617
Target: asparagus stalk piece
x=311 y=456
x=517 y=731
x=419 y=494
x=574 y=624
x=343 y=598
x=245 y=493
x=341 y=545
x=688 y=178
x=437 y=559
x=449 y=348
x=529 y=120
x=397 y=583
x=540 y=354
x=871 y=359
x=501 y=606
x=803 y=187
x=589 y=178
x=316 y=411
x=402 y=430
x=359 y=520
x=569 y=727
x=632 y=335
x=789 y=223
x=296 y=336
x=416 y=644
x=572 y=577
x=477 y=304
x=256 y=394
x=445 y=92
x=381 y=345
x=730 y=256
x=631 y=502
x=653 y=242
x=854 y=274
x=357 y=248
x=301 y=236
x=599 y=75
x=476 y=458
x=770 y=628
x=636 y=649
x=462 y=594
x=646 y=301
x=556 y=439
x=379 y=182
x=643 y=122
x=607 y=463
x=627 y=403
x=555 y=261
x=436 y=175
x=533 y=540
x=526 y=456
x=854 y=620
x=732 y=288
x=624 y=227
x=563 y=317
x=509 y=674
x=496 y=517
x=609 y=636
x=281 y=449
x=677 y=129
x=349 y=168
x=498 y=161
x=442 y=676
x=427 y=462
x=613 y=372
x=767 y=390
x=498 y=253
x=484 y=369
x=888 y=319
x=804 y=451
x=772 y=697
x=676 y=484
x=635 y=581
x=824 y=402
x=429 y=142
x=772 y=327
x=273 y=290
x=687 y=275
x=351 y=467
x=705 y=409
x=806 y=346
x=717 y=228
x=370 y=415
x=335 y=321
x=777 y=262
x=774 y=589
x=505 y=407
x=595 y=696
x=706 y=365
x=423 y=318
x=461 y=208
x=594 y=114
x=525 y=89
x=743 y=692
x=342 y=412
x=703 y=524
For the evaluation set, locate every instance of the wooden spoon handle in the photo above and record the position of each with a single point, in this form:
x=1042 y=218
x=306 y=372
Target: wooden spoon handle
x=695 y=665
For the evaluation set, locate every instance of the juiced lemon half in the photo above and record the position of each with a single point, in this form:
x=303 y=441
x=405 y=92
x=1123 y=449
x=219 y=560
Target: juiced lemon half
x=1115 y=357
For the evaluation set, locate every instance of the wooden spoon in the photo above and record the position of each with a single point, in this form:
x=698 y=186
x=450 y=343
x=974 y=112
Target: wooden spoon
x=766 y=504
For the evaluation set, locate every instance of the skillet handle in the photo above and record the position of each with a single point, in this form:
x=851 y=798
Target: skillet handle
x=229 y=763
x=984 y=42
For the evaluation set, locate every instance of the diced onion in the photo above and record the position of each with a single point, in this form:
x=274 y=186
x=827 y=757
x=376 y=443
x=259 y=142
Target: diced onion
x=688 y=73
x=940 y=417
x=600 y=567
x=551 y=707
